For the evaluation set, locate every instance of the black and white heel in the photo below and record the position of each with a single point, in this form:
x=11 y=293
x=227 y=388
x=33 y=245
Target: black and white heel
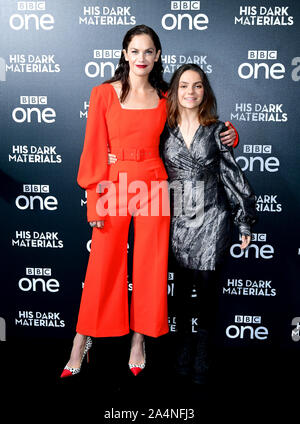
x=69 y=371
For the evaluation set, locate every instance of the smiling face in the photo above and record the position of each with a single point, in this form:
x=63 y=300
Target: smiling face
x=190 y=90
x=141 y=55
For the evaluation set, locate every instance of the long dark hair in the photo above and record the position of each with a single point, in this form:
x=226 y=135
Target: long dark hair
x=207 y=109
x=122 y=71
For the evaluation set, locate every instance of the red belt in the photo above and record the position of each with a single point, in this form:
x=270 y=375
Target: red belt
x=137 y=154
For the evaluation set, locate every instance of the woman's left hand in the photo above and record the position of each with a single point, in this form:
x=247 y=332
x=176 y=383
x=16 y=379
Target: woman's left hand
x=228 y=137
x=245 y=242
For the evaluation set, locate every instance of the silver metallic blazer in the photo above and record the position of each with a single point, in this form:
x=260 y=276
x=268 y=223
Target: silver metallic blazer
x=207 y=190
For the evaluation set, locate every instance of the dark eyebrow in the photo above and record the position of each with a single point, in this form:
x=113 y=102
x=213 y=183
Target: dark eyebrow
x=149 y=48
x=184 y=82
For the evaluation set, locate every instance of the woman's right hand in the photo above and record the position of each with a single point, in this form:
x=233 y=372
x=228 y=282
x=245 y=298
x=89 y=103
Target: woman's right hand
x=99 y=224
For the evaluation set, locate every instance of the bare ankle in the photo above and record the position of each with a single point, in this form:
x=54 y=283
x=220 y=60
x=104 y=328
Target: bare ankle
x=137 y=338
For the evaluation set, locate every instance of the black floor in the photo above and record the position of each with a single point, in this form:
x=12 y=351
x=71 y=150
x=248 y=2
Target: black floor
x=242 y=379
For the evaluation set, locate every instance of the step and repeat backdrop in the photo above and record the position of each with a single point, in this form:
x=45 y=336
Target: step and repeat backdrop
x=52 y=53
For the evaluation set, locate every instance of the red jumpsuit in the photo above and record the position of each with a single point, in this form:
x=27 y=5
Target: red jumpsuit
x=133 y=135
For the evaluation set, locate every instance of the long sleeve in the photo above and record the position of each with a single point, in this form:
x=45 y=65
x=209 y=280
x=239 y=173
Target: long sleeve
x=93 y=166
x=238 y=190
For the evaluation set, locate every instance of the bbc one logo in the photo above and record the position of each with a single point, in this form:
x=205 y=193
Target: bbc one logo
x=34 y=198
x=38 y=279
x=190 y=19
x=30 y=16
x=104 y=63
x=261 y=65
x=258 y=248
x=32 y=109
x=247 y=327
x=258 y=160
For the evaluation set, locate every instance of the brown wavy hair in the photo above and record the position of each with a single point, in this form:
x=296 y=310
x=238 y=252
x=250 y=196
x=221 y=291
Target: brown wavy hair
x=207 y=109
x=122 y=71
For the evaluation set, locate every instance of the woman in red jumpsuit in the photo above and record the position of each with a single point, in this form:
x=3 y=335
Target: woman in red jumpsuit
x=126 y=116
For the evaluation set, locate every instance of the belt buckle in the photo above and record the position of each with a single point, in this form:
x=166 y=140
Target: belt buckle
x=130 y=154
x=119 y=152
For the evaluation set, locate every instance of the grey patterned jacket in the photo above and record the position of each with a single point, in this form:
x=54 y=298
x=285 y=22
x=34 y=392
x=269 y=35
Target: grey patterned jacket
x=208 y=191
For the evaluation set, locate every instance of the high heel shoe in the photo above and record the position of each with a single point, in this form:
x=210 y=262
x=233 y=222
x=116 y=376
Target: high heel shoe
x=69 y=371
x=137 y=368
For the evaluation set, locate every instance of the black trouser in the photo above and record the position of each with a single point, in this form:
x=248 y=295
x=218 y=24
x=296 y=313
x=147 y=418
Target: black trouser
x=194 y=343
x=203 y=306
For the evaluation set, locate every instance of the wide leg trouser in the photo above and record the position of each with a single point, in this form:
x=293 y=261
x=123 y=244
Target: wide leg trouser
x=104 y=303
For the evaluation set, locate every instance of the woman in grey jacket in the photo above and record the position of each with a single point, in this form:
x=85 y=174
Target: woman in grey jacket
x=208 y=191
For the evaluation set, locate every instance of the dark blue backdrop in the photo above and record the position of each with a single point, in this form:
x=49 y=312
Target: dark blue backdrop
x=52 y=54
